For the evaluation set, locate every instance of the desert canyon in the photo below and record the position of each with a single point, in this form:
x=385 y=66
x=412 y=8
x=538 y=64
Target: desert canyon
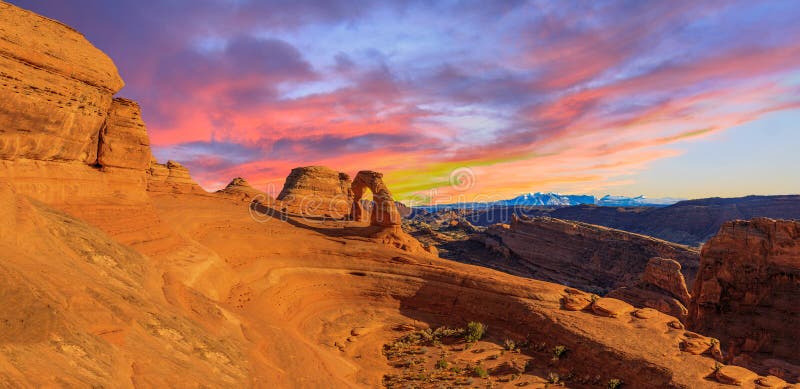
x=120 y=271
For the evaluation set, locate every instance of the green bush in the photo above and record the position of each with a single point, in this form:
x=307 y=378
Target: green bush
x=614 y=383
x=475 y=331
x=480 y=371
x=442 y=363
x=509 y=345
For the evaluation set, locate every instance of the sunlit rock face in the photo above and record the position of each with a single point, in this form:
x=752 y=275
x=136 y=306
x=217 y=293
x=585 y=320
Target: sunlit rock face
x=748 y=288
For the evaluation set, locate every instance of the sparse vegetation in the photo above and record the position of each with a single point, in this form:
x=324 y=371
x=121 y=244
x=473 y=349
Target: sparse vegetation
x=559 y=351
x=442 y=363
x=509 y=345
x=614 y=383
x=475 y=331
x=553 y=378
x=480 y=371
x=717 y=367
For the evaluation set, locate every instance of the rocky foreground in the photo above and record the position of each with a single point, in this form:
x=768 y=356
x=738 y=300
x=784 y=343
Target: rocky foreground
x=119 y=271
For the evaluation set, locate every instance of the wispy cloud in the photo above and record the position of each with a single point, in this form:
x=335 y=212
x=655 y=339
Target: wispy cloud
x=530 y=95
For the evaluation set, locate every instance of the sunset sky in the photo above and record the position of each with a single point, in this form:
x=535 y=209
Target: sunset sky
x=661 y=98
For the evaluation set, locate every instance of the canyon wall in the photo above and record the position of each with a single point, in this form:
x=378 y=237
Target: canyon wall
x=747 y=291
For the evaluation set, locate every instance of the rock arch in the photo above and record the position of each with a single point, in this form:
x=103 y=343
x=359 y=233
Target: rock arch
x=384 y=212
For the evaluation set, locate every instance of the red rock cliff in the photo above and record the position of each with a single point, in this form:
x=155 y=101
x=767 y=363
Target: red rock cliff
x=748 y=288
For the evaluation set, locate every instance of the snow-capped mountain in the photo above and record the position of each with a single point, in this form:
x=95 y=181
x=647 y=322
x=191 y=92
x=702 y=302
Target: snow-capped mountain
x=547 y=199
x=638 y=201
x=558 y=200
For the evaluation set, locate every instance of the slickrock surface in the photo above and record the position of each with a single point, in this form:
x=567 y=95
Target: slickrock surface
x=747 y=291
x=317 y=191
x=662 y=287
x=585 y=256
x=105 y=283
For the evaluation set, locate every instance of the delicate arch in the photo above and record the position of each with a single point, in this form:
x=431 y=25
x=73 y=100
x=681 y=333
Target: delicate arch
x=384 y=212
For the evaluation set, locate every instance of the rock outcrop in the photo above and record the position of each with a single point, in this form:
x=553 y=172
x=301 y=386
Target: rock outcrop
x=171 y=177
x=384 y=212
x=586 y=256
x=662 y=287
x=240 y=189
x=748 y=288
x=317 y=191
x=56 y=89
x=123 y=139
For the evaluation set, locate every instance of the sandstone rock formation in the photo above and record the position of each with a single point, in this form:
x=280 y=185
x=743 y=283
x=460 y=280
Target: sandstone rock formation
x=171 y=177
x=123 y=139
x=585 y=256
x=748 y=288
x=317 y=191
x=56 y=89
x=662 y=287
x=240 y=189
x=105 y=283
x=384 y=211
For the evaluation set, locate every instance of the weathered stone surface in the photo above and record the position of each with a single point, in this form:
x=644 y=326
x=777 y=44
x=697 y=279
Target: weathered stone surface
x=748 y=289
x=735 y=375
x=662 y=287
x=610 y=307
x=123 y=140
x=384 y=211
x=592 y=258
x=171 y=177
x=55 y=89
x=317 y=191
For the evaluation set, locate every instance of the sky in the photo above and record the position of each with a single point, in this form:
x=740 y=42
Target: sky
x=465 y=100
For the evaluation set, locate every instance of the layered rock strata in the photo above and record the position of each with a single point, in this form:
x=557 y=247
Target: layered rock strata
x=747 y=291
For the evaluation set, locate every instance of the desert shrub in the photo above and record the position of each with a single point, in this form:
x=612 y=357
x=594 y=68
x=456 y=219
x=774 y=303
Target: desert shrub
x=559 y=351
x=474 y=332
x=614 y=383
x=717 y=367
x=553 y=378
x=442 y=363
x=480 y=371
x=509 y=345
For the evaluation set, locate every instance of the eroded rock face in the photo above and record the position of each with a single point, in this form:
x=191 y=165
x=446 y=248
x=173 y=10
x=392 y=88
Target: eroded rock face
x=662 y=287
x=748 y=288
x=585 y=256
x=123 y=140
x=55 y=88
x=317 y=191
x=384 y=212
x=171 y=177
